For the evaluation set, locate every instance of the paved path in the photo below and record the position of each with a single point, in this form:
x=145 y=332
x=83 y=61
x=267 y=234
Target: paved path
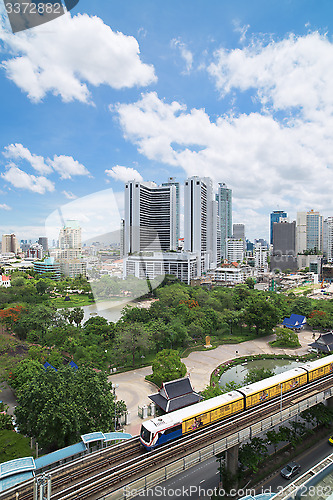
x=134 y=390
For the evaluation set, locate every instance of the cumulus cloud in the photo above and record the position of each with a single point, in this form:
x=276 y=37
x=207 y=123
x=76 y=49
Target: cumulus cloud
x=266 y=162
x=291 y=74
x=70 y=54
x=66 y=166
x=185 y=53
x=20 y=179
x=19 y=152
x=124 y=174
x=3 y=206
x=69 y=195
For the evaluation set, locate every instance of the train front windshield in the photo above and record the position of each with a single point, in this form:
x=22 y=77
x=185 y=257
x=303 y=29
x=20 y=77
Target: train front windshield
x=145 y=435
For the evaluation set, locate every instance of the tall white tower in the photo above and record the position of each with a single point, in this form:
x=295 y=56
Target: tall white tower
x=150 y=217
x=201 y=223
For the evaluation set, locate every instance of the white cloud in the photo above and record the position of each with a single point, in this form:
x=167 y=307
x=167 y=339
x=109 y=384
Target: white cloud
x=69 y=195
x=185 y=53
x=20 y=179
x=19 y=152
x=70 y=54
x=266 y=162
x=124 y=174
x=3 y=206
x=242 y=30
x=66 y=166
x=292 y=74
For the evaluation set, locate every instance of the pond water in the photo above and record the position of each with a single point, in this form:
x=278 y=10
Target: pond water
x=110 y=310
x=239 y=372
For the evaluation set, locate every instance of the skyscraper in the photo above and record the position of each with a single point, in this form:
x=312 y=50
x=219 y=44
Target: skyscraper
x=284 y=246
x=172 y=182
x=314 y=231
x=150 y=217
x=201 y=221
x=309 y=235
x=276 y=216
x=70 y=236
x=224 y=203
x=9 y=243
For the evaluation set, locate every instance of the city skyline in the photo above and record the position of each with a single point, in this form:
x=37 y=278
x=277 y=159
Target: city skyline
x=239 y=93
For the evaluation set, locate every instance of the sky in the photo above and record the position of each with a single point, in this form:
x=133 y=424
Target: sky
x=238 y=91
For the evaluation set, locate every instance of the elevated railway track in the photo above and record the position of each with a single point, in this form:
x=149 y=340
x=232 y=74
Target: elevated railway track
x=97 y=475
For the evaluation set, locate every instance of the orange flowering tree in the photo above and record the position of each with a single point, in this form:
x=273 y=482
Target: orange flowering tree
x=10 y=315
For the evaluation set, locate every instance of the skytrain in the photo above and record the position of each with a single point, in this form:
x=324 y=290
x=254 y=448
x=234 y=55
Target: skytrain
x=161 y=430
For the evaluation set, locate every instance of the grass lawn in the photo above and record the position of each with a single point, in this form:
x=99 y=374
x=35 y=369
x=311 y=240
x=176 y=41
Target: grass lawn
x=14 y=445
x=76 y=301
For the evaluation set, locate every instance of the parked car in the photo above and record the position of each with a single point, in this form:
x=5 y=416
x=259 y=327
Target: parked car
x=330 y=440
x=290 y=470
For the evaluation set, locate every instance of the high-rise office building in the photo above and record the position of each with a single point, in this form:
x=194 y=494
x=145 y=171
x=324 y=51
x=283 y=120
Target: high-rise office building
x=276 y=216
x=301 y=232
x=235 y=250
x=150 y=217
x=238 y=232
x=309 y=234
x=314 y=231
x=9 y=243
x=44 y=242
x=172 y=182
x=70 y=236
x=284 y=246
x=224 y=201
x=261 y=257
x=69 y=253
x=328 y=239
x=201 y=221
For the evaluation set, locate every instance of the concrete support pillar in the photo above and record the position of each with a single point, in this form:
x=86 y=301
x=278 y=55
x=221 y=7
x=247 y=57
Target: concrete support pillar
x=232 y=459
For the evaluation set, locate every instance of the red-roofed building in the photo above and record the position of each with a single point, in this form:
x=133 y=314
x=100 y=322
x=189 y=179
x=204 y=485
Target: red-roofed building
x=4 y=281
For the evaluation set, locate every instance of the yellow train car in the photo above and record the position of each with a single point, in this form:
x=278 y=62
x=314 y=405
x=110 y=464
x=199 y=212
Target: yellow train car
x=272 y=387
x=319 y=368
x=212 y=410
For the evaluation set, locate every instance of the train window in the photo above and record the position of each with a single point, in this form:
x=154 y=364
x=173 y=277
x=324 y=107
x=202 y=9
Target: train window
x=173 y=429
x=145 y=434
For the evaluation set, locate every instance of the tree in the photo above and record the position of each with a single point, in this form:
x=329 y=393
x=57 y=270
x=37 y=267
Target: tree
x=250 y=282
x=99 y=326
x=252 y=453
x=10 y=315
x=76 y=315
x=25 y=371
x=319 y=319
x=285 y=337
x=38 y=318
x=261 y=313
x=132 y=339
x=57 y=407
x=257 y=374
x=5 y=419
x=167 y=366
x=273 y=438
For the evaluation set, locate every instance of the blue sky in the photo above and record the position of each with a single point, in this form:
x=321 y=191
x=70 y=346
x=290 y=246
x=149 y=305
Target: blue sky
x=239 y=91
